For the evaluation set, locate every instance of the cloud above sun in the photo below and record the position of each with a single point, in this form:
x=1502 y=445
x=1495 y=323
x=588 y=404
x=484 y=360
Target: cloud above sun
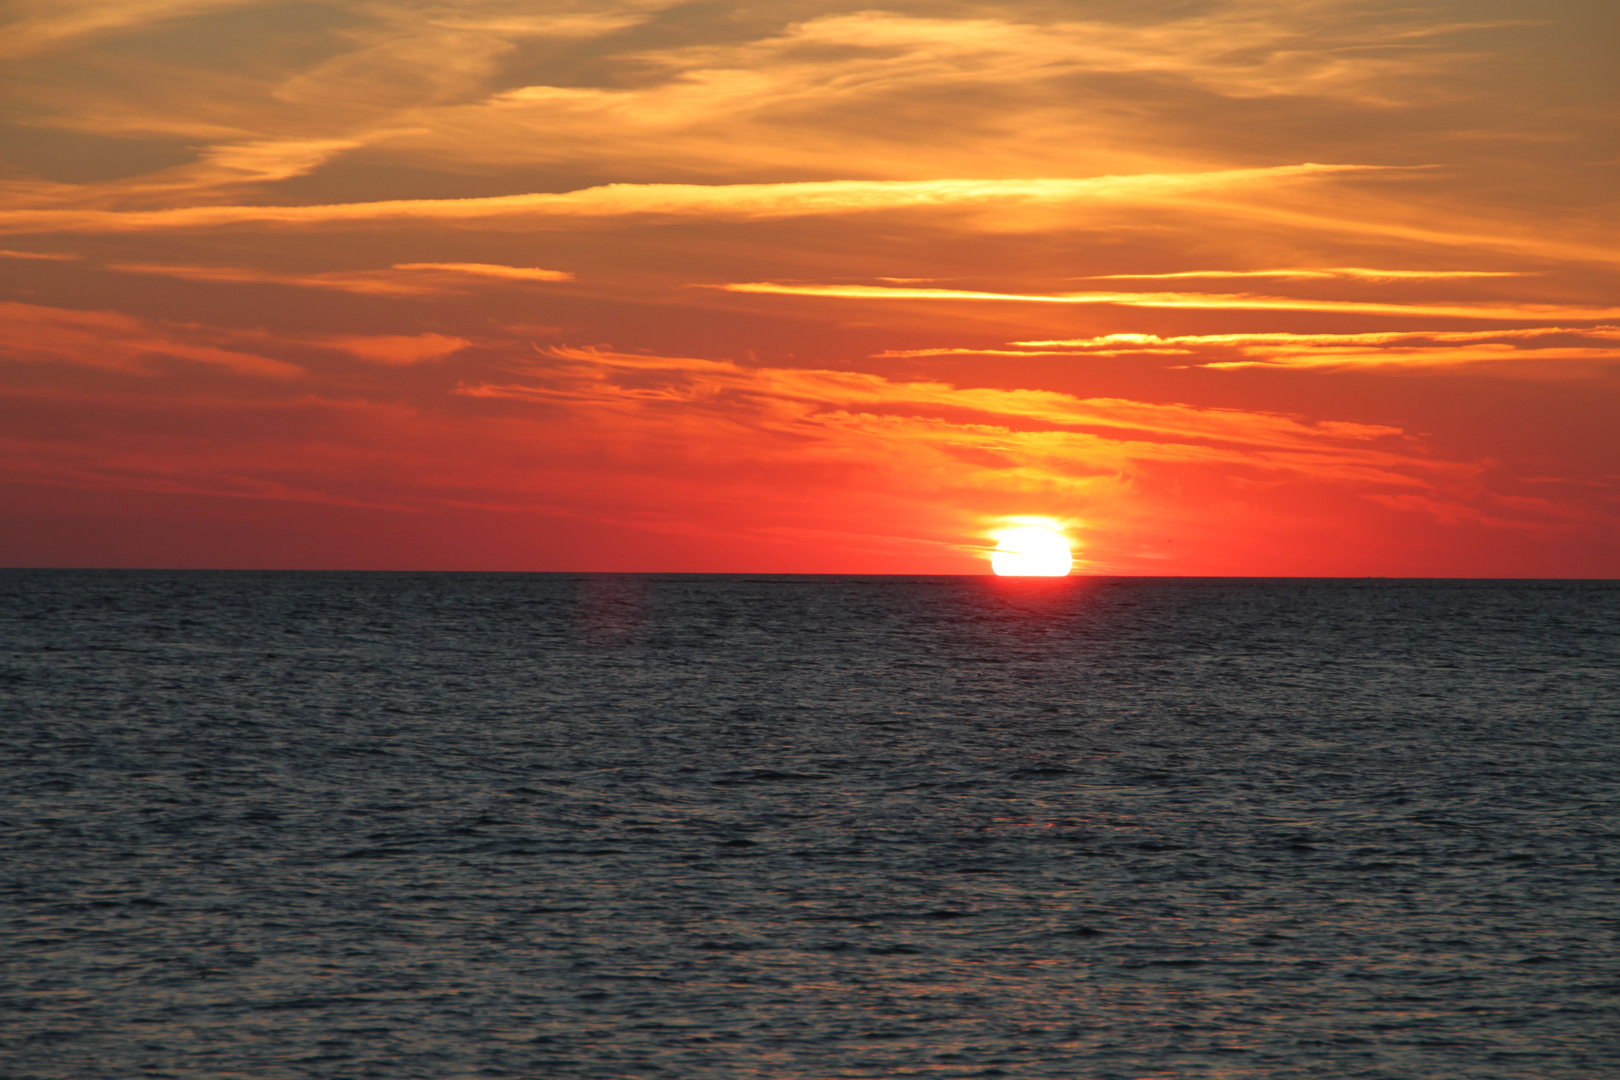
x=1246 y=286
x=402 y=279
x=718 y=201
x=1516 y=312
x=669 y=433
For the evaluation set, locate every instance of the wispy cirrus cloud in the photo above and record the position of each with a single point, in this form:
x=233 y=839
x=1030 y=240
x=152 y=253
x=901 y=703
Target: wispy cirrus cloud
x=735 y=453
x=432 y=83
x=115 y=341
x=412 y=57
x=46 y=256
x=49 y=24
x=807 y=407
x=676 y=441
x=1119 y=350
x=317 y=146
x=402 y=279
x=392 y=349
x=720 y=202
x=1377 y=337
x=873 y=87
x=856 y=444
x=1547 y=352
x=1515 y=311
x=1332 y=273
x=490 y=270
x=1549 y=361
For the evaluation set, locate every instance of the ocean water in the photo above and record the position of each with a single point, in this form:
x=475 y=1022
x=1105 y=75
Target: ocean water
x=301 y=825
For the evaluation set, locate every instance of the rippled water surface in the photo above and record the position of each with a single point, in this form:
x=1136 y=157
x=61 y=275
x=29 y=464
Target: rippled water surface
x=288 y=825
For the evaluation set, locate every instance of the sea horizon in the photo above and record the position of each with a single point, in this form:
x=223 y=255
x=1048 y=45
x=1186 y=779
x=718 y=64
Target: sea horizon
x=294 y=824
x=1080 y=575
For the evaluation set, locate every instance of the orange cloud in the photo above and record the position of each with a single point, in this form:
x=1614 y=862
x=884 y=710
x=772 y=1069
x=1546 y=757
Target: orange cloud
x=1053 y=427
x=118 y=342
x=835 y=86
x=895 y=354
x=735 y=454
x=1417 y=357
x=1200 y=301
x=1372 y=338
x=505 y=273
x=1541 y=351
x=314 y=154
x=46 y=255
x=403 y=279
x=398 y=349
x=1334 y=273
x=50 y=24
x=873 y=458
x=710 y=201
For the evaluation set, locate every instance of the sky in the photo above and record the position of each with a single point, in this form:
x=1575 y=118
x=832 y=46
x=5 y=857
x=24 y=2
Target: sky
x=1220 y=287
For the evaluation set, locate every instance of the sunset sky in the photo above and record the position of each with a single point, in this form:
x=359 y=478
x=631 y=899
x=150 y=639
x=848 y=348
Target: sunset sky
x=1231 y=287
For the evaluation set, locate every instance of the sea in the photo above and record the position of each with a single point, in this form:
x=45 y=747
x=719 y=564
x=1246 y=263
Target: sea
x=289 y=825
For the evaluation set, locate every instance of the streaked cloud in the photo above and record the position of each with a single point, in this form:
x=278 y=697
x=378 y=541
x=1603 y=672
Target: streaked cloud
x=47 y=256
x=871 y=88
x=418 y=56
x=1548 y=352
x=1370 y=338
x=1485 y=309
x=402 y=279
x=824 y=406
x=365 y=282
x=897 y=354
x=50 y=24
x=713 y=202
x=1335 y=273
x=689 y=445
x=115 y=341
x=396 y=349
x=492 y=270
x=994 y=168
x=1417 y=357
x=260 y=161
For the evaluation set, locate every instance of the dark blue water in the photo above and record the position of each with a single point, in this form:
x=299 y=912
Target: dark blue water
x=287 y=825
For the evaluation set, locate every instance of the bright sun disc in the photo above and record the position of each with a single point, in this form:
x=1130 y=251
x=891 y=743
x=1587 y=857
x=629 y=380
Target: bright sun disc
x=1031 y=551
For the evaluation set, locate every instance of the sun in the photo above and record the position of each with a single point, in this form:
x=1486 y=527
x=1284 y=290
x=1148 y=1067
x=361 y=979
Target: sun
x=1031 y=551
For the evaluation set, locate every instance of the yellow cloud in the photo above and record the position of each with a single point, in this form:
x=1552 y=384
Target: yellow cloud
x=45 y=255
x=1201 y=301
x=1334 y=273
x=1415 y=357
x=853 y=86
x=111 y=340
x=395 y=349
x=50 y=24
x=1546 y=352
x=1033 y=436
x=895 y=354
x=709 y=201
x=1372 y=338
x=402 y=279
x=493 y=270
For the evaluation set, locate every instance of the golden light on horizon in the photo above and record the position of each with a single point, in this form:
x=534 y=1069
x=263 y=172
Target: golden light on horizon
x=1036 y=550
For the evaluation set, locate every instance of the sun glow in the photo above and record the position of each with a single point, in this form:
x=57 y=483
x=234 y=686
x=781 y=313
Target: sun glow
x=1034 y=550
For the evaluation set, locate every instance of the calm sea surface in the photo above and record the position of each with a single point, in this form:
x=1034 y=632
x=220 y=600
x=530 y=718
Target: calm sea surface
x=300 y=825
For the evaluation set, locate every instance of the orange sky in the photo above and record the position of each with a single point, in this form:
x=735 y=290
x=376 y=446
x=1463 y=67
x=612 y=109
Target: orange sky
x=1259 y=287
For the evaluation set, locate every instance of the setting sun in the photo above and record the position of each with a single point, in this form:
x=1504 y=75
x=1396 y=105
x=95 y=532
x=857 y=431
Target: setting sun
x=1031 y=551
